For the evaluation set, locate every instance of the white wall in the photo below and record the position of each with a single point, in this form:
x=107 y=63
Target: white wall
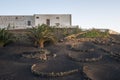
x=18 y=22
x=21 y=21
x=64 y=19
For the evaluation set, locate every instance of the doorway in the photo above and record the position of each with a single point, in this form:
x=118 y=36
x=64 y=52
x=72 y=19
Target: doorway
x=48 y=22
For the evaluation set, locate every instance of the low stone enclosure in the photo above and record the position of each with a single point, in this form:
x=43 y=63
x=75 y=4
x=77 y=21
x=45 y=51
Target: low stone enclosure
x=55 y=68
x=35 y=70
x=103 y=72
x=105 y=41
x=84 y=52
x=82 y=47
x=51 y=74
x=35 y=55
x=92 y=59
x=113 y=44
x=90 y=49
x=42 y=54
x=114 y=55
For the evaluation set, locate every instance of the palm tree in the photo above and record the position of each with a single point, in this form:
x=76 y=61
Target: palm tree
x=41 y=34
x=5 y=37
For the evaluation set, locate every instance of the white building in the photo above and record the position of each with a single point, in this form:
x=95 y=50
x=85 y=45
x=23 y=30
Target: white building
x=27 y=21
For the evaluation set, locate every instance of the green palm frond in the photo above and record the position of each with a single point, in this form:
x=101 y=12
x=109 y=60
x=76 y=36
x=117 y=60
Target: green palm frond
x=41 y=33
x=5 y=37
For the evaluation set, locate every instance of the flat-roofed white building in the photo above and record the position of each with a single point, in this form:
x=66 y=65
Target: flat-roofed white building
x=28 y=21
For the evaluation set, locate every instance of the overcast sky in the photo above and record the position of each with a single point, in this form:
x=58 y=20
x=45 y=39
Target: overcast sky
x=85 y=13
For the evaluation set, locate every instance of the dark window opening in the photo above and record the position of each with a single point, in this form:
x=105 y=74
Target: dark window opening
x=48 y=22
x=57 y=17
x=29 y=23
x=37 y=17
x=16 y=18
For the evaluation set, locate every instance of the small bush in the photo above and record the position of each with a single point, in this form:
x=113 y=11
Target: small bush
x=41 y=34
x=95 y=34
x=5 y=37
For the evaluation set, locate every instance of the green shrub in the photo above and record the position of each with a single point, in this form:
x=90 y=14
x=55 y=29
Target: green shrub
x=41 y=34
x=5 y=37
x=95 y=34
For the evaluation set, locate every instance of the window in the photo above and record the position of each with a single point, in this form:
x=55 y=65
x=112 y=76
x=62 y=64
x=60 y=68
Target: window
x=29 y=23
x=57 y=24
x=57 y=17
x=48 y=22
x=37 y=17
x=16 y=18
